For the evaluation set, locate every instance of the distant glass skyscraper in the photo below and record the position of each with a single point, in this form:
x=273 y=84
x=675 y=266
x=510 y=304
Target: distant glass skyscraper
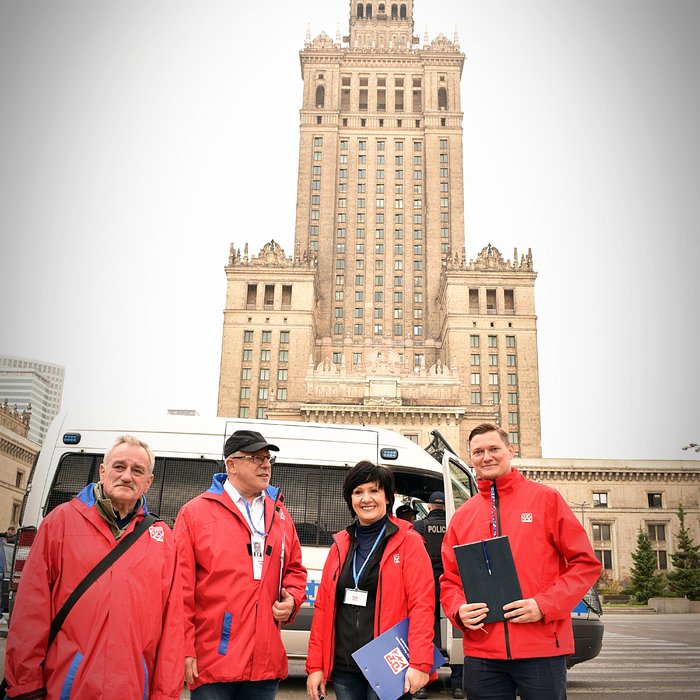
x=24 y=381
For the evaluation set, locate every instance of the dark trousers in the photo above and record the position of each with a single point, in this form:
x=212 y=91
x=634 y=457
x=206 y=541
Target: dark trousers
x=351 y=686
x=534 y=679
x=243 y=690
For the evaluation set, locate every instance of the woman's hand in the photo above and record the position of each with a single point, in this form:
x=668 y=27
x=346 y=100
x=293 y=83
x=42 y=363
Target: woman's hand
x=315 y=683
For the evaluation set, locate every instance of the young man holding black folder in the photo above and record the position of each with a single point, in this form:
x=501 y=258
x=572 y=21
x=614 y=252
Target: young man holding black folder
x=526 y=650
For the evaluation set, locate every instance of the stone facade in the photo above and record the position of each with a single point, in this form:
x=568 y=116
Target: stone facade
x=17 y=455
x=614 y=498
x=379 y=317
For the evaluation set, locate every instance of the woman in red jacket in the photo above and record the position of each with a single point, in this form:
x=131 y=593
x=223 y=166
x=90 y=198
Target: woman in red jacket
x=377 y=573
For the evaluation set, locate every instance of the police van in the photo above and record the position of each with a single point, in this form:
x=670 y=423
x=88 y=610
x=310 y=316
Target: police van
x=310 y=469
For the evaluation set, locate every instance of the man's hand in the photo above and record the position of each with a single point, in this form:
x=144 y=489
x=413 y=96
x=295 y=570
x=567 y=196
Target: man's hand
x=282 y=609
x=190 y=669
x=316 y=685
x=472 y=615
x=523 y=611
x=415 y=680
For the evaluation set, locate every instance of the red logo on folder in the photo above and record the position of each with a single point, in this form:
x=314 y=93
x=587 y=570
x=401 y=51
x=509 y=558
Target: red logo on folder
x=396 y=660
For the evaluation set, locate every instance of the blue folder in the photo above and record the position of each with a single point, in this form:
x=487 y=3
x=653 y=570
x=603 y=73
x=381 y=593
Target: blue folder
x=384 y=661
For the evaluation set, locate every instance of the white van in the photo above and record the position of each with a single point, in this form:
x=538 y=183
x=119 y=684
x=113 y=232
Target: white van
x=310 y=468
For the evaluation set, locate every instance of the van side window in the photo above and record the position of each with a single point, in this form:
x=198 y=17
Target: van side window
x=175 y=482
x=73 y=473
x=313 y=496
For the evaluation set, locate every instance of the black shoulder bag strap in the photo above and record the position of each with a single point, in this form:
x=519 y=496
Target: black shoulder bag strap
x=95 y=573
x=99 y=568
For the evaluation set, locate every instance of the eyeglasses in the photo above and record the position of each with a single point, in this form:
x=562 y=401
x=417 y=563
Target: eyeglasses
x=258 y=460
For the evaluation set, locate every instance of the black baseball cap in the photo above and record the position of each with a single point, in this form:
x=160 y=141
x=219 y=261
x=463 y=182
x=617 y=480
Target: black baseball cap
x=247 y=441
x=437 y=497
x=404 y=508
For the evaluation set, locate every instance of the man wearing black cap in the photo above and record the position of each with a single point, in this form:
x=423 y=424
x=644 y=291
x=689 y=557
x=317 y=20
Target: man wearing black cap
x=433 y=528
x=242 y=577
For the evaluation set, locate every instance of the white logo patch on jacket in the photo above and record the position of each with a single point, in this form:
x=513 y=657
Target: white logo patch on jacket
x=526 y=517
x=397 y=558
x=157 y=533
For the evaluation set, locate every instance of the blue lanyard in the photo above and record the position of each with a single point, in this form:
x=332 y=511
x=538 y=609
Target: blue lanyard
x=355 y=573
x=494 y=524
x=250 y=518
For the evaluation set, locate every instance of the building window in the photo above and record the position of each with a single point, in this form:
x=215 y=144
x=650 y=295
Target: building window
x=601 y=532
x=475 y=360
x=337 y=358
x=604 y=556
x=246 y=373
x=245 y=392
x=514 y=438
x=493 y=341
x=284 y=336
x=493 y=378
x=264 y=355
x=282 y=375
x=600 y=499
x=247 y=355
x=510 y=360
x=474 y=341
x=513 y=417
x=283 y=355
x=475 y=378
x=247 y=336
x=281 y=393
x=264 y=374
x=476 y=397
x=495 y=398
x=513 y=398
x=654 y=500
x=357 y=358
x=243 y=412
x=493 y=360
x=18 y=480
x=262 y=392
x=661 y=559
x=261 y=413
x=267 y=336
x=512 y=380
x=657 y=532
x=510 y=341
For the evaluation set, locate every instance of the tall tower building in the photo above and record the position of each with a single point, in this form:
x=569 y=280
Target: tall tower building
x=26 y=383
x=379 y=317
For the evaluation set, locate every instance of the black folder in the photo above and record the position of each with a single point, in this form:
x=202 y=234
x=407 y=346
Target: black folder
x=488 y=575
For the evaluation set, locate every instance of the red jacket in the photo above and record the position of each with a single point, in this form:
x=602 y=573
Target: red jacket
x=553 y=557
x=229 y=625
x=123 y=638
x=405 y=588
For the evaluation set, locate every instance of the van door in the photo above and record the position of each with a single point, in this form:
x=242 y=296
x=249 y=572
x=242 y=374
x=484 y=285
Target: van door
x=460 y=486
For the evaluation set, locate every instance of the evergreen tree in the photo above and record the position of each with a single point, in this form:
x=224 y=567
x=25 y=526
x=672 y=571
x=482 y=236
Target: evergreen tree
x=646 y=583
x=685 y=577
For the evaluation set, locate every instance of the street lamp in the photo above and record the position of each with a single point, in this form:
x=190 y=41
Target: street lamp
x=691 y=446
x=583 y=510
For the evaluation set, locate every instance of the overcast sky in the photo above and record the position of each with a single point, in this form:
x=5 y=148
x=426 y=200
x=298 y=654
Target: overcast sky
x=137 y=139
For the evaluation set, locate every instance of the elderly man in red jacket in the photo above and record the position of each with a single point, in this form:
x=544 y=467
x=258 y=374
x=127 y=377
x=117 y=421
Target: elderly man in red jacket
x=242 y=577
x=555 y=563
x=123 y=638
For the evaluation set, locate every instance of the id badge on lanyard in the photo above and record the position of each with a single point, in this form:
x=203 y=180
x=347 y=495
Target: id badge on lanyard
x=355 y=596
x=257 y=545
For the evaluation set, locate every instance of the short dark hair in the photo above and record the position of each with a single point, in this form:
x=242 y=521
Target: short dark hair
x=366 y=472
x=488 y=428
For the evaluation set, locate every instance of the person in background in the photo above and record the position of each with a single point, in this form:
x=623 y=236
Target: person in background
x=377 y=573
x=242 y=577
x=405 y=511
x=432 y=528
x=10 y=536
x=525 y=653
x=123 y=638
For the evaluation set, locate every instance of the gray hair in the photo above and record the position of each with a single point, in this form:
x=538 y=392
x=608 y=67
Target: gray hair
x=133 y=442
